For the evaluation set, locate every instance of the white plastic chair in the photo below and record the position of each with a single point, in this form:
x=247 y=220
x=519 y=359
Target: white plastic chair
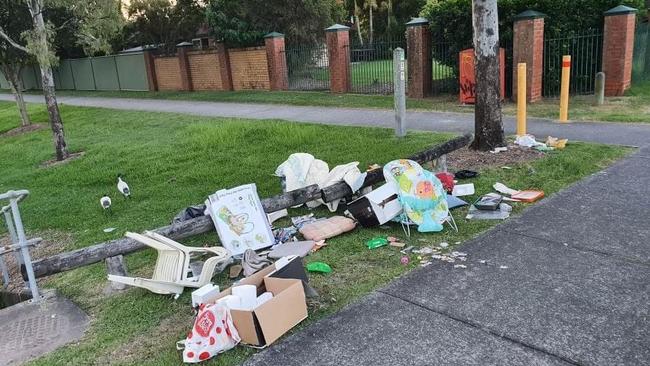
x=172 y=272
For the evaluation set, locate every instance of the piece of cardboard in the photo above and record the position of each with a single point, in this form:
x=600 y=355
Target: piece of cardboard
x=285 y=310
x=268 y=322
x=377 y=207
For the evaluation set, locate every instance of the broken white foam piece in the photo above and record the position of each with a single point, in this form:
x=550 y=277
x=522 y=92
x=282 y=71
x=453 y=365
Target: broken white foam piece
x=482 y=261
x=443 y=245
x=460 y=266
x=498 y=150
x=502 y=188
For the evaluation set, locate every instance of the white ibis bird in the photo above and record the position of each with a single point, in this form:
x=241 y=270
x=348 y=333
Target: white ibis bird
x=123 y=187
x=105 y=201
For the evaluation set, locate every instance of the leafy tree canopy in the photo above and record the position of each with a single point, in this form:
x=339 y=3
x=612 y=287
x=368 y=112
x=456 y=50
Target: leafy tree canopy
x=163 y=22
x=244 y=23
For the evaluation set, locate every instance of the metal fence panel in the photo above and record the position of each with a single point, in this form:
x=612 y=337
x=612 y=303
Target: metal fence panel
x=31 y=77
x=63 y=76
x=586 y=60
x=641 y=60
x=372 y=65
x=444 y=61
x=308 y=67
x=82 y=72
x=105 y=73
x=4 y=84
x=131 y=72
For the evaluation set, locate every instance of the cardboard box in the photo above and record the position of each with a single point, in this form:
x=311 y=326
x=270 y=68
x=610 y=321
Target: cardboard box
x=261 y=327
x=377 y=207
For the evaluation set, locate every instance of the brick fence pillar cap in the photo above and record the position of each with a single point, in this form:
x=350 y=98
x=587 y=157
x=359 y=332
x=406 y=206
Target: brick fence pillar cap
x=417 y=22
x=184 y=44
x=274 y=35
x=529 y=14
x=337 y=28
x=619 y=10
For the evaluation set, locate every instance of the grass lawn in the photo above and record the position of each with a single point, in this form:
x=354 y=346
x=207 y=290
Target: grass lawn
x=172 y=161
x=633 y=107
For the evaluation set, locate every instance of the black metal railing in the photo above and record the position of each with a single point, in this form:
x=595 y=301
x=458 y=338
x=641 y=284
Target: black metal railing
x=586 y=59
x=372 y=65
x=308 y=67
x=444 y=63
x=641 y=59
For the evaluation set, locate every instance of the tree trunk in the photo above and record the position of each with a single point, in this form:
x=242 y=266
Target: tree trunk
x=36 y=10
x=487 y=110
x=12 y=74
x=356 y=19
x=372 y=30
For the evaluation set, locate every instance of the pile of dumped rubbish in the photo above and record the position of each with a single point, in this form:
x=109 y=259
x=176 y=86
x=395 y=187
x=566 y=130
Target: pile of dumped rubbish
x=267 y=261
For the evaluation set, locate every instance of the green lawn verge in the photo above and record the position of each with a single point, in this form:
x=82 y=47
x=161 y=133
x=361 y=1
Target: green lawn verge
x=172 y=161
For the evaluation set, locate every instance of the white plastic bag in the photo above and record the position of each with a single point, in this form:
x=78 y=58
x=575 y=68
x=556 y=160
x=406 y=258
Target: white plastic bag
x=213 y=332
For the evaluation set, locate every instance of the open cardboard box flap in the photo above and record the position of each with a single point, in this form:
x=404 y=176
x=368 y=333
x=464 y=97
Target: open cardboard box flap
x=267 y=323
x=287 y=308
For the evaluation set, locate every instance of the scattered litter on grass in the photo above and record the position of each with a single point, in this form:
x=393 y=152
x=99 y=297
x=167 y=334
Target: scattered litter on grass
x=499 y=150
x=556 y=142
x=376 y=242
x=443 y=244
x=407 y=250
x=319 y=267
x=404 y=260
x=109 y=229
x=466 y=174
x=506 y=167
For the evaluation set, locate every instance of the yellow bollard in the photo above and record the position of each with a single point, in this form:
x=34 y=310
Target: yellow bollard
x=521 y=99
x=564 y=90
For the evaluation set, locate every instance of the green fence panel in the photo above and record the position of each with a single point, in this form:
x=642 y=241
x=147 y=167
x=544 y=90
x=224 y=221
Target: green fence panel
x=4 y=84
x=82 y=71
x=131 y=72
x=105 y=72
x=641 y=60
x=63 y=76
x=31 y=78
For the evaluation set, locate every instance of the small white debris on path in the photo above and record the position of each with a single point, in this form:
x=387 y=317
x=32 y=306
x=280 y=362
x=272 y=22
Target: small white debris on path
x=503 y=267
x=460 y=266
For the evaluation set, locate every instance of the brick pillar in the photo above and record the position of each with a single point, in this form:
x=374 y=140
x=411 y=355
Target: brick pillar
x=618 y=47
x=528 y=47
x=277 y=61
x=338 y=49
x=150 y=68
x=224 y=66
x=418 y=51
x=184 y=65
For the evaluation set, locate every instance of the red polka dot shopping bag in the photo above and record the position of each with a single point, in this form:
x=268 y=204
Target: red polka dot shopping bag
x=213 y=332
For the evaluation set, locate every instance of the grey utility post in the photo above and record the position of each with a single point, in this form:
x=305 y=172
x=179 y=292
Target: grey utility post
x=600 y=88
x=399 y=71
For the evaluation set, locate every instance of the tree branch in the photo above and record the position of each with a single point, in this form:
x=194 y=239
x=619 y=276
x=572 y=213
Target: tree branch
x=11 y=41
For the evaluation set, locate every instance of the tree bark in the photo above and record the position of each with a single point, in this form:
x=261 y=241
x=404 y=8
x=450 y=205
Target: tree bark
x=356 y=17
x=487 y=110
x=47 y=78
x=372 y=29
x=12 y=74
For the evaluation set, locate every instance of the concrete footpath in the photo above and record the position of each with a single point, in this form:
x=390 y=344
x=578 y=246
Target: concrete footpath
x=566 y=283
x=635 y=134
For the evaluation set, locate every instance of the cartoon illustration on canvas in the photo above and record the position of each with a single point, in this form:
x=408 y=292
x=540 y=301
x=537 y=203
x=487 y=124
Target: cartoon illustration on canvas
x=239 y=224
